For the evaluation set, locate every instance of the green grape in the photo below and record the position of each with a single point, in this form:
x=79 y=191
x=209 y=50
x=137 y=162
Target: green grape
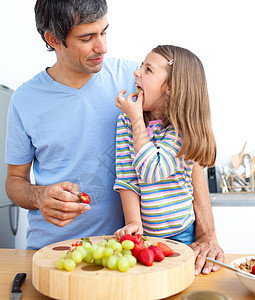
x=87 y=252
x=86 y=245
x=138 y=91
x=117 y=247
x=69 y=264
x=105 y=261
x=112 y=262
x=126 y=252
x=108 y=251
x=98 y=252
x=128 y=245
x=89 y=257
x=98 y=262
x=102 y=243
x=81 y=250
x=111 y=243
x=76 y=256
x=93 y=247
x=60 y=263
x=131 y=260
x=123 y=264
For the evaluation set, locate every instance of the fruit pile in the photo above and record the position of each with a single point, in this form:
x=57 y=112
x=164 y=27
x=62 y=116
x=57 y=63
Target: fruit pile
x=113 y=253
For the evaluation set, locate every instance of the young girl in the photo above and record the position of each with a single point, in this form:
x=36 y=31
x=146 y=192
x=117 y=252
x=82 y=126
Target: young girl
x=159 y=137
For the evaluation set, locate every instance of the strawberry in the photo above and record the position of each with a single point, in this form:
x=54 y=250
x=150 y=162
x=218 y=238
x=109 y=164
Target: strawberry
x=158 y=254
x=146 y=257
x=253 y=270
x=139 y=238
x=165 y=249
x=129 y=237
x=83 y=197
x=136 y=239
x=136 y=251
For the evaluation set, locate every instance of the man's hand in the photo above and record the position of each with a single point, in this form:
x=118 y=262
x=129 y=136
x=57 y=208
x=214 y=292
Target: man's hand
x=59 y=203
x=206 y=246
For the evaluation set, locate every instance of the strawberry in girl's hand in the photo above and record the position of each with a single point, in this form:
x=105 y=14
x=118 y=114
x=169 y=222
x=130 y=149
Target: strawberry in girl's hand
x=146 y=257
x=158 y=254
x=83 y=197
x=167 y=251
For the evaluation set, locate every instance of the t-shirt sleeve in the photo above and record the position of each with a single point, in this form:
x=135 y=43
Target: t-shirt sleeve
x=155 y=163
x=18 y=149
x=125 y=172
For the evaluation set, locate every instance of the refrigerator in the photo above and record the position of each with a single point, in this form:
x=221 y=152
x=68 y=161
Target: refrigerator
x=9 y=213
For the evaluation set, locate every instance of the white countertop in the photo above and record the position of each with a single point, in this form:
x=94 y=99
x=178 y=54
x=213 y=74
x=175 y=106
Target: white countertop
x=232 y=199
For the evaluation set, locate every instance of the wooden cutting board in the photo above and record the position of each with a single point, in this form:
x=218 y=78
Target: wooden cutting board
x=88 y=281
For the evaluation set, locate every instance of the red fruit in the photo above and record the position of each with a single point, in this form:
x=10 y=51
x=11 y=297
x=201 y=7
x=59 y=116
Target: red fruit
x=136 y=251
x=165 y=249
x=253 y=270
x=139 y=238
x=136 y=239
x=158 y=254
x=84 y=198
x=129 y=237
x=146 y=257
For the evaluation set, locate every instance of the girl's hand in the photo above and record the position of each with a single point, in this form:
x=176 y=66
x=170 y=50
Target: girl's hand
x=131 y=228
x=134 y=110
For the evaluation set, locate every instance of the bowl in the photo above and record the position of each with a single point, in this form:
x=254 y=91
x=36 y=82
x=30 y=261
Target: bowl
x=248 y=282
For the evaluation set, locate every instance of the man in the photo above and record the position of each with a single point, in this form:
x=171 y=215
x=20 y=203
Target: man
x=63 y=120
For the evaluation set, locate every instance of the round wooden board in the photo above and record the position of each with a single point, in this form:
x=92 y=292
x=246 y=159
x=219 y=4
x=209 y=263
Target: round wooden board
x=88 y=281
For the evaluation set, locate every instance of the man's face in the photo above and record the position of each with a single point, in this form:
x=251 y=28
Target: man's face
x=86 y=46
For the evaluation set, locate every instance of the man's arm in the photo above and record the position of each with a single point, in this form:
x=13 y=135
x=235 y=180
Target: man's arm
x=206 y=244
x=57 y=202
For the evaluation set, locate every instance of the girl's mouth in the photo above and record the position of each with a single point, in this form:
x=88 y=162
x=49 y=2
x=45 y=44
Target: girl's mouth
x=138 y=90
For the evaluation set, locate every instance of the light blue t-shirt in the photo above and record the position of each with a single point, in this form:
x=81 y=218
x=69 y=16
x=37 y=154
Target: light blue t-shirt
x=70 y=135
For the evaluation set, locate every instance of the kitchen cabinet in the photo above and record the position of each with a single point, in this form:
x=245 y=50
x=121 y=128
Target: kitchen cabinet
x=234 y=220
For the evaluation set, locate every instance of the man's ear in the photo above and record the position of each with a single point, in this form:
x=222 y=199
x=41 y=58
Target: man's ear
x=51 y=40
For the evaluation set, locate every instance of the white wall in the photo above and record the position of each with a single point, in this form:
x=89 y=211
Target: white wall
x=220 y=33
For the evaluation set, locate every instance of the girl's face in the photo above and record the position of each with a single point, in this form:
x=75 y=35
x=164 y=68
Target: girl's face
x=152 y=77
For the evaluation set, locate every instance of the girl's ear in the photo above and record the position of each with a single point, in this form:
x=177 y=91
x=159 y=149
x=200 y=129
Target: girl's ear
x=168 y=91
x=51 y=40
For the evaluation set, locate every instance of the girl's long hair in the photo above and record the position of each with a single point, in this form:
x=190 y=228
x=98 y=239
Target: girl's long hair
x=187 y=108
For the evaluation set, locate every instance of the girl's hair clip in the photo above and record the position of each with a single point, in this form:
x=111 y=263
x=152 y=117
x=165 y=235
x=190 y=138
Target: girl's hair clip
x=171 y=62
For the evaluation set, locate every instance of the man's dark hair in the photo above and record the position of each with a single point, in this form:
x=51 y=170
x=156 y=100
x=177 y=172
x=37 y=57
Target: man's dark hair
x=60 y=16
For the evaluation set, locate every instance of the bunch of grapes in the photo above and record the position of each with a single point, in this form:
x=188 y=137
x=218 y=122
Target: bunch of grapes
x=109 y=253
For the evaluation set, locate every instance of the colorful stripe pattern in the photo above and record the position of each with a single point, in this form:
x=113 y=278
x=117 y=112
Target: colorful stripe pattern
x=162 y=180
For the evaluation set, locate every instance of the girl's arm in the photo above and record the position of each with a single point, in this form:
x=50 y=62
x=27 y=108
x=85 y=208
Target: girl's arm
x=131 y=208
x=134 y=111
x=152 y=163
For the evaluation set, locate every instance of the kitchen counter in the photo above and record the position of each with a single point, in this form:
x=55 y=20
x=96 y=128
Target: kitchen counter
x=14 y=261
x=232 y=199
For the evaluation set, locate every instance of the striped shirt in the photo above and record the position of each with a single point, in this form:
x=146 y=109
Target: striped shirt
x=162 y=180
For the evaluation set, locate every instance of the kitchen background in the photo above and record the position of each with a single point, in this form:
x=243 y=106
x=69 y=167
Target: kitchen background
x=220 y=33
